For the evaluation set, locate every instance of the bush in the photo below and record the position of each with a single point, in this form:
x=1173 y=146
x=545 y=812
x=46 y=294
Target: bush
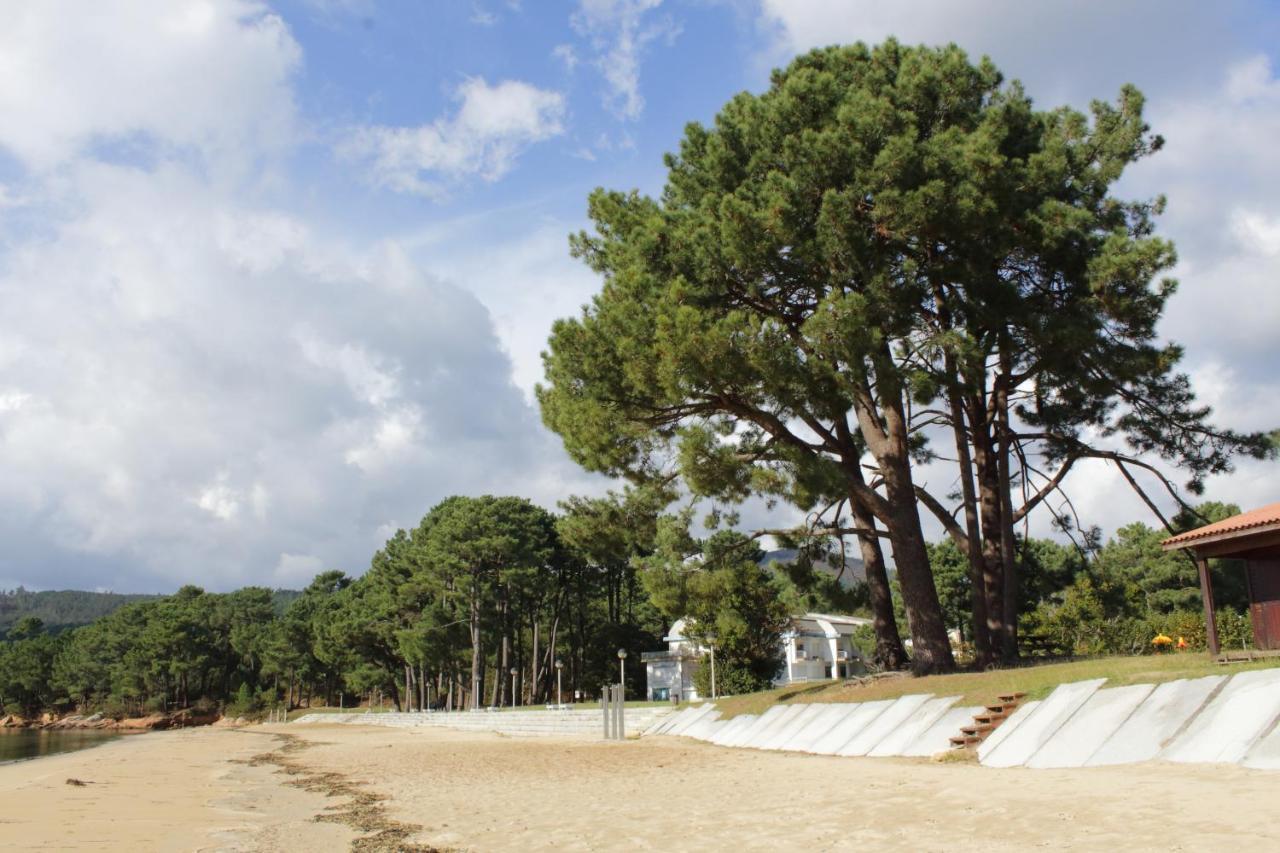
x=731 y=680
x=244 y=703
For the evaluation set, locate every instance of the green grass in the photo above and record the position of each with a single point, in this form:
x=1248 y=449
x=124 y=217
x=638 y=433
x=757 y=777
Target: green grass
x=980 y=688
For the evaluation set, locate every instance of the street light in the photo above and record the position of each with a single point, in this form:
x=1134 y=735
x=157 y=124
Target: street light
x=514 y=671
x=711 y=642
x=559 y=666
x=622 y=671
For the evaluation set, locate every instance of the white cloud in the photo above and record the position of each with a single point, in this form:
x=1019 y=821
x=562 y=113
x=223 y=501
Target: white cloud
x=482 y=17
x=172 y=407
x=493 y=125
x=297 y=569
x=619 y=32
x=567 y=55
x=211 y=76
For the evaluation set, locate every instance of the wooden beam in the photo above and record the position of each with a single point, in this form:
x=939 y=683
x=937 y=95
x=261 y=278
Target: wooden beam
x=1210 y=620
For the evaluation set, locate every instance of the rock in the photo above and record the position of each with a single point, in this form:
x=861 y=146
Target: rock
x=147 y=723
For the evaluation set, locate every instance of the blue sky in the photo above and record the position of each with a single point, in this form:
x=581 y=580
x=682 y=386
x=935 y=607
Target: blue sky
x=274 y=276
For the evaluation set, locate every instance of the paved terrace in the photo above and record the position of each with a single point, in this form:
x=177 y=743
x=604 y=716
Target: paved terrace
x=574 y=722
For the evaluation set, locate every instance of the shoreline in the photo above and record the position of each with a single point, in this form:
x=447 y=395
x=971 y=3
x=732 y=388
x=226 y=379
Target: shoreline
x=180 y=790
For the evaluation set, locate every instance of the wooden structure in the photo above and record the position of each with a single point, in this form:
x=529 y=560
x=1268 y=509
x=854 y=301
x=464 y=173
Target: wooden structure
x=1253 y=537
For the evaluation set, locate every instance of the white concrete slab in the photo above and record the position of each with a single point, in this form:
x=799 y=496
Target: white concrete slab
x=703 y=728
x=1096 y=721
x=699 y=712
x=1042 y=724
x=1161 y=715
x=910 y=729
x=818 y=726
x=763 y=736
x=1243 y=711
x=937 y=737
x=734 y=726
x=792 y=727
x=884 y=724
x=1265 y=753
x=709 y=731
x=672 y=720
x=757 y=726
x=1007 y=728
x=852 y=723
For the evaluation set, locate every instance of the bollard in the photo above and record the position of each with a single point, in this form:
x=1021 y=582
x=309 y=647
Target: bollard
x=604 y=710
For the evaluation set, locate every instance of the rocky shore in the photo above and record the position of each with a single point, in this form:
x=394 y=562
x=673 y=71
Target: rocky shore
x=185 y=718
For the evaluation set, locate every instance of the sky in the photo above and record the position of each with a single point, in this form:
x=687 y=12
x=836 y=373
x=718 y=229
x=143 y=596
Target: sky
x=275 y=276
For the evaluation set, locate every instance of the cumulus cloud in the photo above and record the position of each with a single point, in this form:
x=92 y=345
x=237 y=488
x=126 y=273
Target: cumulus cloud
x=619 y=31
x=482 y=139
x=211 y=76
x=179 y=402
x=197 y=383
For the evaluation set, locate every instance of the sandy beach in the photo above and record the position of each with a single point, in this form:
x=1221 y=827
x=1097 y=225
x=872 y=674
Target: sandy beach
x=398 y=789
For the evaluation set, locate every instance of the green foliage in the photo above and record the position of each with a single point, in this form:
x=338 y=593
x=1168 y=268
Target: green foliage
x=60 y=609
x=726 y=597
x=732 y=679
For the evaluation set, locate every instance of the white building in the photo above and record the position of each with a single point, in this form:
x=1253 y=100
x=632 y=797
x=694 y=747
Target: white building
x=814 y=646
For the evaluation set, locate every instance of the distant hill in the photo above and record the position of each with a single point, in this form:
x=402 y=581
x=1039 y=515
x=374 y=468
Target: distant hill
x=62 y=609
x=854 y=570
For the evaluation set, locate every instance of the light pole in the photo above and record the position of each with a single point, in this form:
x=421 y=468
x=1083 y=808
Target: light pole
x=711 y=642
x=559 y=700
x=514 y=671
x=622 y=671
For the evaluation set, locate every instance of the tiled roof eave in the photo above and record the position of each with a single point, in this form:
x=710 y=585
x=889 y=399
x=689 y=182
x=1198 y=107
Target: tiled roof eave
x=1194 y=538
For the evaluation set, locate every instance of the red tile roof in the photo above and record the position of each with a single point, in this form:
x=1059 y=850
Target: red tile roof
x=1261 y=517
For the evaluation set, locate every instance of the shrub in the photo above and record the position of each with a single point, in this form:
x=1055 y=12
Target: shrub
x=731 y=680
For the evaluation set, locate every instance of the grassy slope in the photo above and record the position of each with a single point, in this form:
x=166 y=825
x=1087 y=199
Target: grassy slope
x=979 y=688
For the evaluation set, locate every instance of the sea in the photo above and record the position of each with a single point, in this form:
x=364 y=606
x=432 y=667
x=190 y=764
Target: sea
x=26 y=744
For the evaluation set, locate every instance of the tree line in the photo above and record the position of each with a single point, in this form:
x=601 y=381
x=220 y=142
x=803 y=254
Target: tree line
x=489 y=601
x=890 y=287
x=486 y=585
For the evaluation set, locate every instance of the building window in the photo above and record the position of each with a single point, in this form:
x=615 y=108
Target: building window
x=661 y=694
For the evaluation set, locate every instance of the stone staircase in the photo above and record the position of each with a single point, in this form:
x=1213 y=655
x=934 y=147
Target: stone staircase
x=574 y=722
x=987 y=722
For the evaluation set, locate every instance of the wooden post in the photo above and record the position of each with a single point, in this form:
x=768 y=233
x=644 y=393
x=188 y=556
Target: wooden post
x=1210 y=620
x=604 y=710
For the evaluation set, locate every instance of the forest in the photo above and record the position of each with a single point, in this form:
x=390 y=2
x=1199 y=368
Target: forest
x=486 y=586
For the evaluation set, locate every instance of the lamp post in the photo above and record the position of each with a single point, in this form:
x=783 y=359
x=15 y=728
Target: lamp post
x=514 y=672
x=711 y=642
x=559 y=700
x=622 y=671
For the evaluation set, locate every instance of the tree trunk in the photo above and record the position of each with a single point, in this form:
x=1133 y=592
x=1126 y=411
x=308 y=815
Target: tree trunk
x=977 y=566
x=989 y=519
x=533 y=664
x=1007 y=558
x=890 y=653
x=476 y=685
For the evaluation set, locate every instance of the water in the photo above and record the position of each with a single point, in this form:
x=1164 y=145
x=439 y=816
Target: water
x=23 y=744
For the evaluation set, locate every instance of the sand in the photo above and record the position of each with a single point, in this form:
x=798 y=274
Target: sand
x=179 y=791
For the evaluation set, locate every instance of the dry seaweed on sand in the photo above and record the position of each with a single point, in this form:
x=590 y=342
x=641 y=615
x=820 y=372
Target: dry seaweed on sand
x=363 y=811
